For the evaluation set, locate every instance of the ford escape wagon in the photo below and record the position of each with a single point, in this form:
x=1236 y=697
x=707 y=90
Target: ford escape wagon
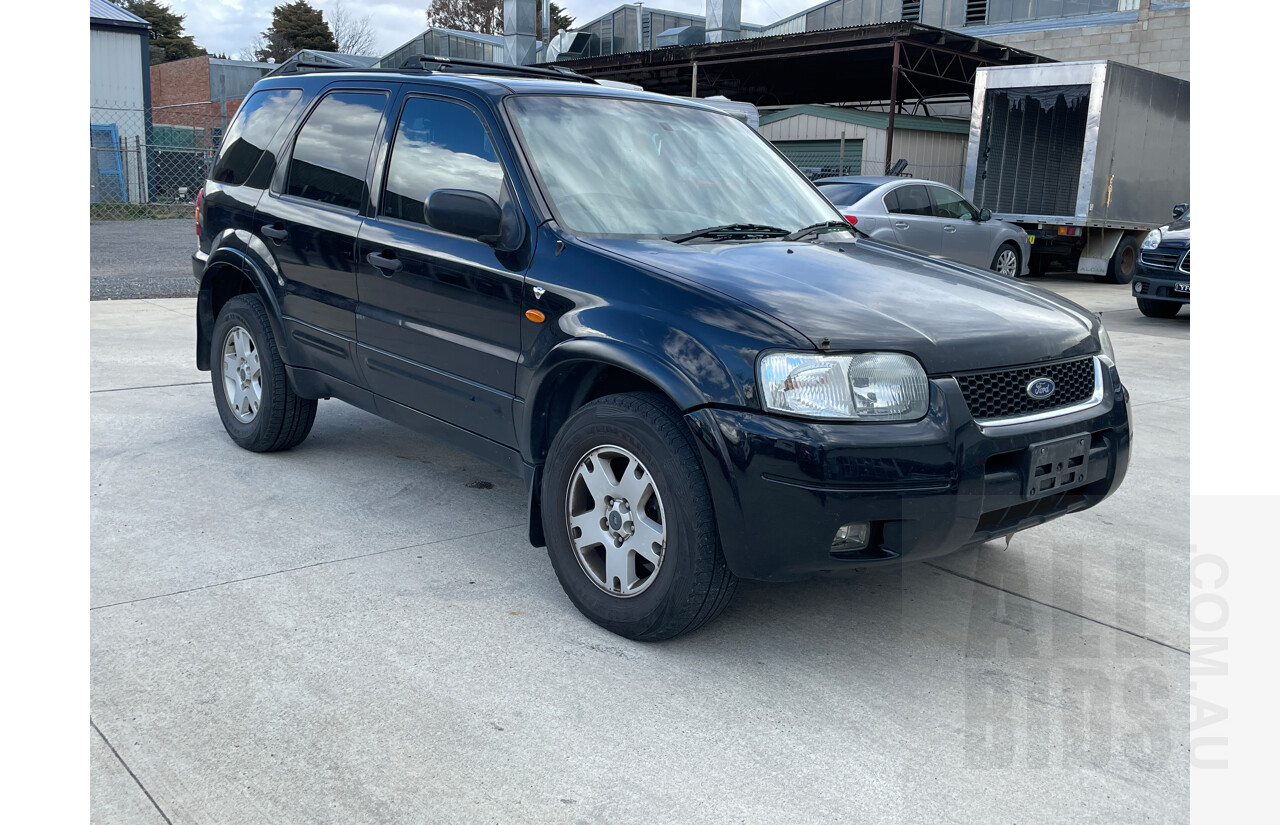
x=701 y=371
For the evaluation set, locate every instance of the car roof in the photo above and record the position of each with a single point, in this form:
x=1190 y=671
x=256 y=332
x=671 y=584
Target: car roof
x=876 y=179
x=489 y=85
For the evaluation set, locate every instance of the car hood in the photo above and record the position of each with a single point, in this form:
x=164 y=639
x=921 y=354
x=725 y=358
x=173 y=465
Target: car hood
x=864 y=295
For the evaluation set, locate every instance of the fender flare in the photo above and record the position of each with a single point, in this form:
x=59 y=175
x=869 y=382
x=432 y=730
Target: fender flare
x=244 y=263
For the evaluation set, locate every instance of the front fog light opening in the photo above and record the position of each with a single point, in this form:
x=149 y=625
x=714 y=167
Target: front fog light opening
x=852 y=536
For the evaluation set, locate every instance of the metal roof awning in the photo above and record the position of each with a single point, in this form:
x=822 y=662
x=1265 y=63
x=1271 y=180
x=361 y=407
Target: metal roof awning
x=853 y=65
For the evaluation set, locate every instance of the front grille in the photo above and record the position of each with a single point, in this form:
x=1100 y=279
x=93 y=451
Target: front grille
x=1161 y=258
x=1003 y=393
x=1185 y=266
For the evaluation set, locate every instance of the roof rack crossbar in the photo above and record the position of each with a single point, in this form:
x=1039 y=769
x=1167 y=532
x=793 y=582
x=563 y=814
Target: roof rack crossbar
x=429 y=62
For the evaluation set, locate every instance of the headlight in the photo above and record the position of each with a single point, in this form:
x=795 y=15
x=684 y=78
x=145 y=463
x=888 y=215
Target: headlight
x=871 y=386
x=1104 y=339
x=1152 y=240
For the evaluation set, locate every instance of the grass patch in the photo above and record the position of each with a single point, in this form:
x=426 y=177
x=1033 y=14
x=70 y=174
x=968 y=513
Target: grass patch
x=141 y=211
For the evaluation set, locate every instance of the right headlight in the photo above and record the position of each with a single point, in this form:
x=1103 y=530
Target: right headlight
x=869 y=386
x=1152 y=240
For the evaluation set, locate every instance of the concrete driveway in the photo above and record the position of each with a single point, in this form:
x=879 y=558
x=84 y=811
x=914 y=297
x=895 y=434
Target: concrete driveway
x=357 y=631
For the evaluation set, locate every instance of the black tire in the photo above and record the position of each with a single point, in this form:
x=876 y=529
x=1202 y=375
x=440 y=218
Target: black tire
x=997 y=263
x=1158 y=309
x=281 y=419
x=692 y=584
x=1123 y=264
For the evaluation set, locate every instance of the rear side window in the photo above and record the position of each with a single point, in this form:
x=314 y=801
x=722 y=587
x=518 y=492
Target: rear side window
x=913 y=200
x=438 y=145
x=246 y=141
x=332 y=151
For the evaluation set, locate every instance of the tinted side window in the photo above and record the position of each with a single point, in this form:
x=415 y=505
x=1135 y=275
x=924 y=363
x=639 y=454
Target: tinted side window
x=246 y=141
x=332 y=150
x=891 y=200
x=951 y=205
x=438 y=145
x=913 y=200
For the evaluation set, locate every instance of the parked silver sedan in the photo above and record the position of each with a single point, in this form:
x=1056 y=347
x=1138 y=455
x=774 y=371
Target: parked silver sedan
x=929 y=217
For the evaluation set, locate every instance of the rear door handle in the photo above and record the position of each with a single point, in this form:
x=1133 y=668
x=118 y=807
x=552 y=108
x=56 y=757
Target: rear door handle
x=386 y=264
x=275 y=231
x=901 y=224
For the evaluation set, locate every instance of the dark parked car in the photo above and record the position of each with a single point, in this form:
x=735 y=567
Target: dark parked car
x=1162 y=283
x=637 y=305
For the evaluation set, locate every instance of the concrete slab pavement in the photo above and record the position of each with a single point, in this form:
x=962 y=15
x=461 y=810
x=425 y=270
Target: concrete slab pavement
x=357 y=631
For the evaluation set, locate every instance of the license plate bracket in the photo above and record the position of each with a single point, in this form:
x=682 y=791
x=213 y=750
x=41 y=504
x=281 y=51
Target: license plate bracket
x=1053 y=466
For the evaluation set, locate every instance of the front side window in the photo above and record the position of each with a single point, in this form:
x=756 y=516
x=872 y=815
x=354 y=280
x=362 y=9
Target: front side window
x=246 y=141
x=438 y=145
x=331 y=154
x=614 y=166
x=951 y=205
x=912 y=200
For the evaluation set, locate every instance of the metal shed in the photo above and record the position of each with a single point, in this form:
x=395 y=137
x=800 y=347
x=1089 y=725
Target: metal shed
x=119 y=102
x=812 y=137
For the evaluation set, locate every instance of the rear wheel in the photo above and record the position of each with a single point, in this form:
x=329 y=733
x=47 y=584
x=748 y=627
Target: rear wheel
x=1158 y=309
x=259 y=409
x=1007 y=262
x=628 y=520
x=1123 y=263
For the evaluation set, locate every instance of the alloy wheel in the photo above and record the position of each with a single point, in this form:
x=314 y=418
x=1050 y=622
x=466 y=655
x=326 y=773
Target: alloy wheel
x=241 y=374
x=616 y=522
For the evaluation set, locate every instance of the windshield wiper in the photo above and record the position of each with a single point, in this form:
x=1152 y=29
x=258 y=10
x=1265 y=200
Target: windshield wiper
x=730 y=229
x=818 y=229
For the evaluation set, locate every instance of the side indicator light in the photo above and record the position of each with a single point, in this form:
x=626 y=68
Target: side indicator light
x=535 y=316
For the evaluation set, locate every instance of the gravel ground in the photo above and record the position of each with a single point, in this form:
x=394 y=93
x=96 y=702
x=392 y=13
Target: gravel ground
x=141 y=259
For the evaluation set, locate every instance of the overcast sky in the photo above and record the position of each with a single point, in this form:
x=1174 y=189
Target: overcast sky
x=229 y=25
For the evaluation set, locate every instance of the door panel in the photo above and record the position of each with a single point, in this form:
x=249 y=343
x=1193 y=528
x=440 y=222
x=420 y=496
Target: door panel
x=310 y=221
x=963 y=239
x=439 y=329
x=912 y=219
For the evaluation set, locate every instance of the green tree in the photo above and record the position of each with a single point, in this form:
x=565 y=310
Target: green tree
x=295 y=26
x=168 y=42
x=485 y=16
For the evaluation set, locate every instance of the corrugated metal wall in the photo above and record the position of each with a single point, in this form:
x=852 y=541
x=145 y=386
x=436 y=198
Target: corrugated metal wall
x=932 y=155
x=116 y=97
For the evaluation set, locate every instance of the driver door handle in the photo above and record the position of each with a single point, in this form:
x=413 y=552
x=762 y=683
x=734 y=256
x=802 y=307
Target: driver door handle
x=948 y=228
x=388 y=265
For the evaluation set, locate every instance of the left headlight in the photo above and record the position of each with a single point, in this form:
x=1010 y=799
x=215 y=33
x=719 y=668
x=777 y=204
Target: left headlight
x=869 y=386
x=1153 y=239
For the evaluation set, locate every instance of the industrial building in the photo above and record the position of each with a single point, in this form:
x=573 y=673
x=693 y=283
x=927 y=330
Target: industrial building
x=119 y=100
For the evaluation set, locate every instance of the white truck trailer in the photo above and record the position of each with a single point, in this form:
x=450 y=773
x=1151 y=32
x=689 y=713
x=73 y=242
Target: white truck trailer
x=1087 y=157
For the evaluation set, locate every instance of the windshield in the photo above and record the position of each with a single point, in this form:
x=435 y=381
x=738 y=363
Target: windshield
x=633 y=167
x=845 y=194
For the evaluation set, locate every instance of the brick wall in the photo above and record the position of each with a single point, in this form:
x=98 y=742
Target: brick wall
x=1160 y=41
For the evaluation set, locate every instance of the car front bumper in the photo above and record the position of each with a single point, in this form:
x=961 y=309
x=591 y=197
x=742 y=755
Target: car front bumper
x=1159 y=285
x=782 y=487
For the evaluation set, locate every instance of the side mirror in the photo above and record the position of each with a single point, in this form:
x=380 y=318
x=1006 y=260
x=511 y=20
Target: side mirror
x=984 y=215
x=474 y=215
x=1179 y=210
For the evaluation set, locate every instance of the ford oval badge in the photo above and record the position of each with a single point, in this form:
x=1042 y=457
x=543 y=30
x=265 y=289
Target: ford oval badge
x=1040 y=389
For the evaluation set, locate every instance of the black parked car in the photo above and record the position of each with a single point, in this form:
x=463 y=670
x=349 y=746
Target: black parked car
x=635 y=303
x=1162 y=283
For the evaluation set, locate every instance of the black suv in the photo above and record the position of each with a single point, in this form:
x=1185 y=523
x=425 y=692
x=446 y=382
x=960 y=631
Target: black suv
x=637 y=305
x=1162 y=284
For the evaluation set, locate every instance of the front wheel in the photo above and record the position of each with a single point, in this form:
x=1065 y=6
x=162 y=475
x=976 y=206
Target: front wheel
x=259 y=409
x=1007 y=261
x=628 y=520
x=1158 y=309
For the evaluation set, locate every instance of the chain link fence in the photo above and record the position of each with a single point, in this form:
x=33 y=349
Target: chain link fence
x=150 y=163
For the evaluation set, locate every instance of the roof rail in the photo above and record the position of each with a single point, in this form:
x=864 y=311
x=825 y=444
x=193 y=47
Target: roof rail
x=435 y=63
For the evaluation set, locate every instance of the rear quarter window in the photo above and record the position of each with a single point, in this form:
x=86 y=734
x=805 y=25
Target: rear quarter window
x=244 y=148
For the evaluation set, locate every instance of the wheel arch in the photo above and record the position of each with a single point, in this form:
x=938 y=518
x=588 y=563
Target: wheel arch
x=577 y=373
x=228 y=273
